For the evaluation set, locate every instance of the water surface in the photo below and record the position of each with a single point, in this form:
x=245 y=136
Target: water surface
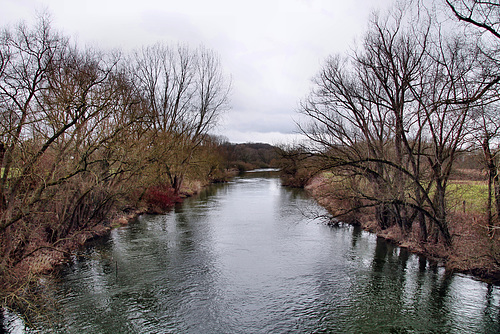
x=246 y=257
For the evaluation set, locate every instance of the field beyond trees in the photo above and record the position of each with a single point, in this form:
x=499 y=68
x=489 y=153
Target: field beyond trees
x=392 y=124
x=402 y=136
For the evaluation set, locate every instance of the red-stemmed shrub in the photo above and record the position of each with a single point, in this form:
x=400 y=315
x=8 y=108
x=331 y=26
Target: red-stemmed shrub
x=162 y=197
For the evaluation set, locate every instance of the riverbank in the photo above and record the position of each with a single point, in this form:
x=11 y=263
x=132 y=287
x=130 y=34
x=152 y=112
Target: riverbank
x=19 y=284
x=252 y=241
x=472 y=251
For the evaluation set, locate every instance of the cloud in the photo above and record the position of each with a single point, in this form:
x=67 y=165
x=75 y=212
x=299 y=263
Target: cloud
x=170 y=25
x=273 y=138
x=270 y=48
x=261 y=121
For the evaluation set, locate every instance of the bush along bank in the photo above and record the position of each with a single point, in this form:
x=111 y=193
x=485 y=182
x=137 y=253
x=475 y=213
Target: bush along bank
x=474 y=248
x=22 y=278
x=85 y=136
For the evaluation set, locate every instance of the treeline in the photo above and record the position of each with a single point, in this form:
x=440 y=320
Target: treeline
x=84 y=132
x=249 y=156
x=390 y=120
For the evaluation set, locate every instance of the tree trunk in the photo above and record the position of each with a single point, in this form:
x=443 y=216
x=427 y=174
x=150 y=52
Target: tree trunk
x=493 y=182
x=440 y=214
x=177 y=183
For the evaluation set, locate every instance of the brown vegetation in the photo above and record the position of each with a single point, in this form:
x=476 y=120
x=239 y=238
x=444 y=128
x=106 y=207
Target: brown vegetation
x=394 y=125
x=243 y=157
x=473 y=248
x=86 y=136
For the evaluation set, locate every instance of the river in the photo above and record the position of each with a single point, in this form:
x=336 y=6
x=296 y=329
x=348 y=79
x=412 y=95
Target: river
x=249 y=256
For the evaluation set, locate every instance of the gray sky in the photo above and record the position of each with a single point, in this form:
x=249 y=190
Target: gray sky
x=270 y=48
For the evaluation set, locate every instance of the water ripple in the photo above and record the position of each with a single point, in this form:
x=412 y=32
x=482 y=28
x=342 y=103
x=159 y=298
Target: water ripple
x=243 y=258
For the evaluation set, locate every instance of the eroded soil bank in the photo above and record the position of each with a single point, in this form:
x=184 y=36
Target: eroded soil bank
x=473 y=250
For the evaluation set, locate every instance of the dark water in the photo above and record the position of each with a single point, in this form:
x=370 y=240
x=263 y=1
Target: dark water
x=245 y=258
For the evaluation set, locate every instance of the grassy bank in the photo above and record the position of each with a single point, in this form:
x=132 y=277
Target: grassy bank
x=473 y=248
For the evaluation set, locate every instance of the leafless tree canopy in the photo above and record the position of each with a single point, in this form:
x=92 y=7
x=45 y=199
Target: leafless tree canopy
x=83 y=132
x=395 y=114
x=482 y=14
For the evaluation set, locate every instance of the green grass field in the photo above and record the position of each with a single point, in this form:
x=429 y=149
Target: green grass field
x=14 y=172
x=473 y=193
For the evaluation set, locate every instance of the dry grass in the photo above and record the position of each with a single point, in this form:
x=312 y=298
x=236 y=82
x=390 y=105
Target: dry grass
x=475 y=249
x=191 y=187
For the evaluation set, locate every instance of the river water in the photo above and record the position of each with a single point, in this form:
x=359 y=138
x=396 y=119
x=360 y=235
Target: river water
x=249 y=257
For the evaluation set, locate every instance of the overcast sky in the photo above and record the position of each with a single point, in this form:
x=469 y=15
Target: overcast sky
x=270 y=48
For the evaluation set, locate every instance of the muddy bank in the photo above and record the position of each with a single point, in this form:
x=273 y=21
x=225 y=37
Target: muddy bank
x=473 y=250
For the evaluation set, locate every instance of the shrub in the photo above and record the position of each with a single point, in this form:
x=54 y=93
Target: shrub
x=162 y=197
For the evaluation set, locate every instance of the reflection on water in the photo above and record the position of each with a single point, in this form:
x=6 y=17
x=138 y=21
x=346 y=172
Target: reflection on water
x=245 y=257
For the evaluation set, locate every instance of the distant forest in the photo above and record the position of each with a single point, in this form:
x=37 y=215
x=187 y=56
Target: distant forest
x=249 y=156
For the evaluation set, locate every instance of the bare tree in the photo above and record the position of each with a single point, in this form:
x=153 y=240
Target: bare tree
x=482 y=14
x=450 y=78
x=67 y=113
x=185 y=92
x=363 y=113
x=486 y=123
x=394 y=114
x=27 y=55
